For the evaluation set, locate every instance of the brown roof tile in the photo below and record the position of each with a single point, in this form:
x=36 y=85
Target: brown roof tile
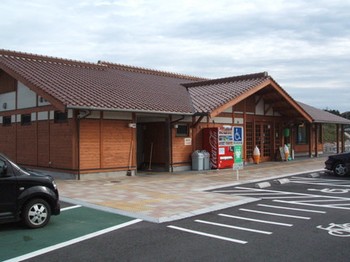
x=100 y=86
x=211 y=94
x=108 y=86
x=321 y=116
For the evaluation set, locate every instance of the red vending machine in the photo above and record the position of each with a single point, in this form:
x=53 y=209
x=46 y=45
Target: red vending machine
x=219 y=143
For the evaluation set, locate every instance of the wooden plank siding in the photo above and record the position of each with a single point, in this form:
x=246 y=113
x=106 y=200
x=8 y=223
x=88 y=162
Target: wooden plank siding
x=61 y=144
x=90 y=144
x=27 y=146
x=105 y=144
x=116 y=141
x=8 y=141
x=42 y=143
x=181 y=153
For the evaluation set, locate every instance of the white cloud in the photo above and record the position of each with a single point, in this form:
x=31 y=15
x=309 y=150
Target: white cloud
x=303 y=44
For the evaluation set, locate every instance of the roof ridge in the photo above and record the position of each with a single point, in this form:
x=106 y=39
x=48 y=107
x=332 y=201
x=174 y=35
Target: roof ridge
x=227 y=79
x=149 y=71
x=49 y=59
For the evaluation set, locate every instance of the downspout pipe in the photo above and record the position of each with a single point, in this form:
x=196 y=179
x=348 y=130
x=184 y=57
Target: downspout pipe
x=82 y=115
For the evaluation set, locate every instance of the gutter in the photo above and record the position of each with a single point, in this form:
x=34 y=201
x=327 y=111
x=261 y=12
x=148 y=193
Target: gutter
x=127 y=110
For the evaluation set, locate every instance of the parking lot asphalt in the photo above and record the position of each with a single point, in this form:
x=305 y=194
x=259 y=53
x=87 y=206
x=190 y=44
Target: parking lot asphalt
x=163 y=197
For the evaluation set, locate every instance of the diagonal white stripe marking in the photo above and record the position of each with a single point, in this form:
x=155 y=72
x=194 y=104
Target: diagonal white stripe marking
x=291 y=208
x=319 y=184
x=257 y=220
x=293 y=193
x=272 y=214
x=313 y=205
x=234 y=227
x=209 y=235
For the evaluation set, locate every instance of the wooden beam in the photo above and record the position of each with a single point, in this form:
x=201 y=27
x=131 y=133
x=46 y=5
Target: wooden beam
x=267 y=109
x=195 y=124
x=258 y=101
x=53 y=100
x=28 y=110
x=291 y=101
x=240 y=98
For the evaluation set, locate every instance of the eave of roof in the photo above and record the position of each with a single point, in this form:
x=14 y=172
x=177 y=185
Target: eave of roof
x=214 y=96
x=324 y=117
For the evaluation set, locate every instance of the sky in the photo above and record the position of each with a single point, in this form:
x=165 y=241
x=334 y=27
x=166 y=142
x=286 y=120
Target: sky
x=303 y=44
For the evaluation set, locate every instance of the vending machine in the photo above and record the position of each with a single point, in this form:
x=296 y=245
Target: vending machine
x=218 y=141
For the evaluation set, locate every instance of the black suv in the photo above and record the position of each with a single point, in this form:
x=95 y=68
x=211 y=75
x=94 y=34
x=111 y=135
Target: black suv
x=26 y=196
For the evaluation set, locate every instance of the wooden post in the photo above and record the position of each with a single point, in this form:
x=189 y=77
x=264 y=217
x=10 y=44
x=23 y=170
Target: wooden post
x=310 y=140
x=337 y=137
x=342 y=139
x=316 y=140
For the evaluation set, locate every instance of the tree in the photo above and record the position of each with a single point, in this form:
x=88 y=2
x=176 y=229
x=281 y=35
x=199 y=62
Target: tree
x=346 y=115
x=333 y=111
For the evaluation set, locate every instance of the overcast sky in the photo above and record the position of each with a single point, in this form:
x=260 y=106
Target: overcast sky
x=303 y=44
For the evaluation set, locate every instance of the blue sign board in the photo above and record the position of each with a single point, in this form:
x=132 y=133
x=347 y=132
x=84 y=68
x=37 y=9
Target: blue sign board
x=237 y=135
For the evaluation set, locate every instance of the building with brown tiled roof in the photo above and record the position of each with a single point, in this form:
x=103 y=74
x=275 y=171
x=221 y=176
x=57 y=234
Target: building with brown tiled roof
x=84 y=118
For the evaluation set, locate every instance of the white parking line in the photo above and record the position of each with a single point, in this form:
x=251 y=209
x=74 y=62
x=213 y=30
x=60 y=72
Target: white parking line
x=294 y=193
x=258 y=194
x=296 y=209
x=272 y=214
x=302 y=197
x=324 y=200
x=313 y=205
x=71 y=242
x=71 y=207
x=233 y=227
x=319 y=184
x=257 y=220
x=208 y=235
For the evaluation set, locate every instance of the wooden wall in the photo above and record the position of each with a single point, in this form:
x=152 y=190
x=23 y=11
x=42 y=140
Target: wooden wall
x=106 y=144
x=181 y=153
x=42 y=144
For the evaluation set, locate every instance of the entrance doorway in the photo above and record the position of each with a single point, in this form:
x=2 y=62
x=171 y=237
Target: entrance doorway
x=153 y=146
x=263 y=135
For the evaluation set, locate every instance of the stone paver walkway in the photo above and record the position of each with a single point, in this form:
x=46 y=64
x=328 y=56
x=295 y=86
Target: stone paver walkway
x=161 y=197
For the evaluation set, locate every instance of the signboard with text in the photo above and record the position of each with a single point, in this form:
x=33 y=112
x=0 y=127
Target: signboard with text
x=238 y=160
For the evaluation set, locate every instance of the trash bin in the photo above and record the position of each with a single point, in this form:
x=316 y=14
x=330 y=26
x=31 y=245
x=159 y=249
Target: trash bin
x=206 y=160
x=197 y=160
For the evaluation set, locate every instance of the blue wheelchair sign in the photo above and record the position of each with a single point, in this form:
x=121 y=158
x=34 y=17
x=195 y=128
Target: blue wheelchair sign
x=237 y=135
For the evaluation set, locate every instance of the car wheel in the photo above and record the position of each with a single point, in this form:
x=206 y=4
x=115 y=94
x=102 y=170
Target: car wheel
x=340 y=169
x=36 y=213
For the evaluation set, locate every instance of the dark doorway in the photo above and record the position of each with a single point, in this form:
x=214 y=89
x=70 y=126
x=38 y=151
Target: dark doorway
x=153 y=146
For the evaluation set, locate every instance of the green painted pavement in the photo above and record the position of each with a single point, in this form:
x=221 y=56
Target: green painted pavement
x=70 y=224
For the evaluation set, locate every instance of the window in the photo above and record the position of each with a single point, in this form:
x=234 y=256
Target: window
x=26 y=119
x=301 y=135
x=182 y=130
x=6 y=121
x=60 y=117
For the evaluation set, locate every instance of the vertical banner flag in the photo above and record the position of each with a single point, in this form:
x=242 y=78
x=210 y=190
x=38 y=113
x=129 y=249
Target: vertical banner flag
x=238 y=143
